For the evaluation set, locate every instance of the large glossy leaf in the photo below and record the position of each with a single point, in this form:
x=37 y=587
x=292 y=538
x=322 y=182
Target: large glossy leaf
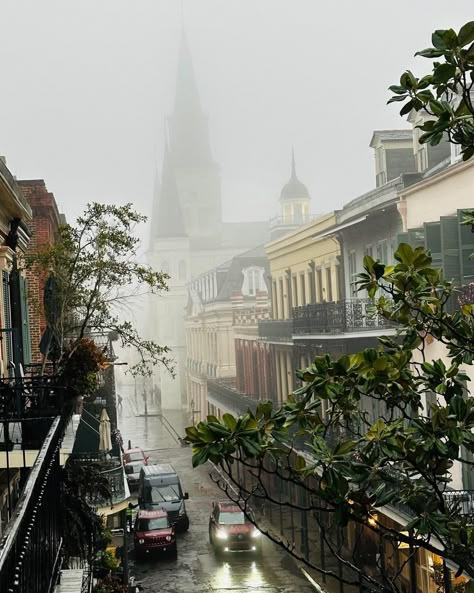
x=466 y=34
x=229 y=421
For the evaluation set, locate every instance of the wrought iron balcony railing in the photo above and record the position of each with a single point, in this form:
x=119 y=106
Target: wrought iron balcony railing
x=30 y=549
x=30 y=396
x=349 y=315
x=276 y=329
x=229 y=397
x=117 y=484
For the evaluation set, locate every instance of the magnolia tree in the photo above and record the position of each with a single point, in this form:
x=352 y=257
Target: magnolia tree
x=324 y=442
x=92 y=277
x=445 y=95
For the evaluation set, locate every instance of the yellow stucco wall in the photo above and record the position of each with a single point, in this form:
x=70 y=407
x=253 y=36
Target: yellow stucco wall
x=295 y=251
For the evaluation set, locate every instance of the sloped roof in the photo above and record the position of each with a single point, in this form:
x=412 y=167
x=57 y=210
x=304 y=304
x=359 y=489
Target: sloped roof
x=391 y=135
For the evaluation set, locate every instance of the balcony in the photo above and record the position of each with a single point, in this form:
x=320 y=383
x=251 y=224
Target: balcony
x=114 y=473
x=220 y=393
x=278 y=330
x=118 y=485
x=30 y=550
x=347 y=316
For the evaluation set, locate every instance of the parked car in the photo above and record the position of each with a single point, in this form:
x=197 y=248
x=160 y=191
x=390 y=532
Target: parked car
x=154 y=532
x=159 y=487
x=132 y=471
x=231 y=531
x=135 y=454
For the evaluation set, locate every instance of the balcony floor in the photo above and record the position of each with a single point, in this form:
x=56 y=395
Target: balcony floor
x=71 y=581
x=348 y=335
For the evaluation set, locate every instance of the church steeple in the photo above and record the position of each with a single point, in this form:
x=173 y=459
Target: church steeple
x=188 y=129
x=187 y=95
x=167 y=219
x=189 y=202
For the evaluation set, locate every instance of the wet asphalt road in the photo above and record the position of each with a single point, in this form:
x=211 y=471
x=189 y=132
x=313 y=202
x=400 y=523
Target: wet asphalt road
x=196 y=568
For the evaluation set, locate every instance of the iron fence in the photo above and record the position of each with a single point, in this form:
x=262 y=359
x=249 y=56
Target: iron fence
x=31 y=547
x=23 y=397
x=276 y=329
x=230 y=398
x=117 y=485
x=348 y=315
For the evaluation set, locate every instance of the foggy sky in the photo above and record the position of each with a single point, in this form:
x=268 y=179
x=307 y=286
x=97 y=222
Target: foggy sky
x=86 y=87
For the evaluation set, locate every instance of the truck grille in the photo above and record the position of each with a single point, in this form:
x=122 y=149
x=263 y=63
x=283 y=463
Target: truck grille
x=156 y=541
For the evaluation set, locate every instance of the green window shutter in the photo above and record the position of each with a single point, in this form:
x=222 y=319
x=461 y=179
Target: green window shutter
x=416 y=237
x=401 y=238
x=25 y=321
x=466 y=248
x=433 y=242
x=7 y=319
x=450 y=248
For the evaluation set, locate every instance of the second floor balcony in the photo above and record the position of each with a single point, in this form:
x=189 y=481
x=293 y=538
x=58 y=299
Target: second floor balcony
x=346 y=316
x=113 y=472
x=341 y=317
x=226 y=397
x=278 y=330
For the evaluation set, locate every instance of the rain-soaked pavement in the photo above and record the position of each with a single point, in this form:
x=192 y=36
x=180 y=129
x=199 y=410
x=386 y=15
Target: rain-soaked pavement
x=196 y=569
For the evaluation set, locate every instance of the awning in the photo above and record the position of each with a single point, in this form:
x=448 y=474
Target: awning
x=338 y=228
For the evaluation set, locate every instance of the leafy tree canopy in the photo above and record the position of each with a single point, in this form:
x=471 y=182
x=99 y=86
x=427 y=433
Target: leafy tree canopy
x=445 y=95
x=94 y=275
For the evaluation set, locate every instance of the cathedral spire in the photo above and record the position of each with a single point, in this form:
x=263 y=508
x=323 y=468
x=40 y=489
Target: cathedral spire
x=187 y=96
x=189 y=135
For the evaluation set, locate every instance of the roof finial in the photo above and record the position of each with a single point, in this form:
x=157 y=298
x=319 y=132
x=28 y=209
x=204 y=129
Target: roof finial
x=293 y=166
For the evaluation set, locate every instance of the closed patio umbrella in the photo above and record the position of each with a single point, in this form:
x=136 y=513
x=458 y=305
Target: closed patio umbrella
x=105 y=439
x=50 y=345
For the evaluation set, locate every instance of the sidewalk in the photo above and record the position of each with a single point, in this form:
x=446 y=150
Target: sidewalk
x=288 y=524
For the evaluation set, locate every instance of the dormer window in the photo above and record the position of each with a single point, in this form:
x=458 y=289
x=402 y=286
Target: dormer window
x=254 y=281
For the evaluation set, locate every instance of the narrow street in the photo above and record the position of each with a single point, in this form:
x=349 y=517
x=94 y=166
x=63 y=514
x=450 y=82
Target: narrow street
x=196 y=568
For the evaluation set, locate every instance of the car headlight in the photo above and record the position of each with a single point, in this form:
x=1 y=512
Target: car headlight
x=168 y=538
x=141 y=541
x=256 y=533
x=221 y=534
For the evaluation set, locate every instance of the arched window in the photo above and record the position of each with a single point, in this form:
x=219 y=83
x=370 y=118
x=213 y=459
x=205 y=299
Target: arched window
x=182 y=270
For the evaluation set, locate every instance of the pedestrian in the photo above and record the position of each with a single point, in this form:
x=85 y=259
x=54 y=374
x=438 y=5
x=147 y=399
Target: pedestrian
x=116 y=434
x=129 y=513
x=119 y=400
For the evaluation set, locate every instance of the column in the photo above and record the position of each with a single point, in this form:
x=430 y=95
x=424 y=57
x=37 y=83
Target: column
x=284 y=385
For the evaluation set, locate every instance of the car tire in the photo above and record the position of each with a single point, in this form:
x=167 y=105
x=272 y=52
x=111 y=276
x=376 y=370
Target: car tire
x=185 y=524
x=174 y=552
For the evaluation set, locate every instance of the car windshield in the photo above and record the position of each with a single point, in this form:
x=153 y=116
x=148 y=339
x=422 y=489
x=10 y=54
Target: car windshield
x=168 y=493
x=151 y=524
x=133 y=468
x=137 y=456
x=232 y=519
